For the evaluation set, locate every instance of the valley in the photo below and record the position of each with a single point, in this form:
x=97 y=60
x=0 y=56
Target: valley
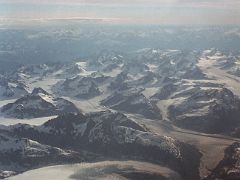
x=164 y=114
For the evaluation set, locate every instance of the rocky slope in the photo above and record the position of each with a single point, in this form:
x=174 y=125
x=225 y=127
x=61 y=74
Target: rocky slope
x=207 y=110
x=114 y=135
x=38 y=104
x=79 y=87
x=21 y=154
x=10 y=90
x=166 y=90
x=228 y=168
x=132 y=102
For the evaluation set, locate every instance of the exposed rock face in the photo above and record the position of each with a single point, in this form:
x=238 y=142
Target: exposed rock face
x=135 y=68
x=114 y=135
x=21 y=154
x=69 y=71
x=165 y=92
x=132 y=102
x=73 y=70
x=173 y=85
x=118 y=83
x=207 y=110
x=38 y=104
x=39 y=91
x=229 y=167
x=11 y=90
x=146 y=80
x=79 y=87
x=33 y=70
x=194 y=73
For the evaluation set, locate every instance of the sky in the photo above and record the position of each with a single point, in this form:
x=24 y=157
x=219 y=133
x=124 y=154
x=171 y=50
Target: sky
x=184 y=12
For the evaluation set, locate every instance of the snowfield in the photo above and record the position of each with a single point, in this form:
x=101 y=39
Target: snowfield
x=176 y=109
x=107 y=170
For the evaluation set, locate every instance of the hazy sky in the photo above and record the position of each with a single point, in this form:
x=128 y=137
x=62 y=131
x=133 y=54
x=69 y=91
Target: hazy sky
x=125 y=11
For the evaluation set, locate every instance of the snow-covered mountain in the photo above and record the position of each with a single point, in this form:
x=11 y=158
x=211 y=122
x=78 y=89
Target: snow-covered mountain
x=206 y=109
x=79 y=87
x=113 y=135
x=11 y=90
x=38 y=104
x=132 y=102
x=20 y=154
x=151 y=105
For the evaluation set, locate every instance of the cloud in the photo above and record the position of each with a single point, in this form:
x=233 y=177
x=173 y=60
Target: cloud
x=215 y=4
x=148 y=11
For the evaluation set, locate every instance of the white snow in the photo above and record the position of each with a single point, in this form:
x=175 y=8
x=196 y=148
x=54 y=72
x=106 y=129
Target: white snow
x=209 y=65
x=31 y=121
x=105 y=170
x=45 y=83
